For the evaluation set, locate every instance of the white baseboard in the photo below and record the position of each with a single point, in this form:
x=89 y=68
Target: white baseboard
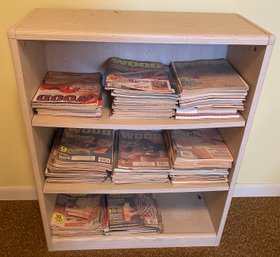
x=241 y=190
x=18 y=193
x=256 y=190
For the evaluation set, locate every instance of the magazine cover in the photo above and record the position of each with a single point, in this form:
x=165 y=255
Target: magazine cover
x=141 y=149
x=133 y=210
x=208 y=74
x=199 y=144
x=77 y=212
x=138 y=75
x=86 y=145
x=70 y=89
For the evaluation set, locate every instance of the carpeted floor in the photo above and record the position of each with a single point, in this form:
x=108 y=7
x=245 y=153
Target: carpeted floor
x=252 y=230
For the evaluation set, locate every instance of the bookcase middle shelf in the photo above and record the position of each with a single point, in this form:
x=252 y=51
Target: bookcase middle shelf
x=107 y=187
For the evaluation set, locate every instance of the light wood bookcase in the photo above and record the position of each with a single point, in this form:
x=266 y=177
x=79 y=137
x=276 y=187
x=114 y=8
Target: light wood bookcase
x=81 y=41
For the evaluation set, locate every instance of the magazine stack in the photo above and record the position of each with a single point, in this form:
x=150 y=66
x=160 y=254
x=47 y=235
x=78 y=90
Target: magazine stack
x=69 y=94
x=80 y=155
x=141 y=89
x=78 y=215
x=198 y=156
x=133 y=213
x=140 y=157
x=210 y=89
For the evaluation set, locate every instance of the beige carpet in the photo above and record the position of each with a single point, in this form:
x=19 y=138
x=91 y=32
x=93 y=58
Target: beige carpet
x=252 y=230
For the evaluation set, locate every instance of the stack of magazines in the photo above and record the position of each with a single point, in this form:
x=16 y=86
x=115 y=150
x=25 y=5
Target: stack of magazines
x=141 y=89
x=78 y=215
x=133 y=213
x=140 y=157
x=80 y=155
x=210 y=89
x=198 y=156
x=69 y=94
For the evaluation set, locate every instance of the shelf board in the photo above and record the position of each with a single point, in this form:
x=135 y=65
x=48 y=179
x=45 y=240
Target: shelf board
x=138 y=27
x=193 y=228
x=109 y=188
x=134 y=241
x=105 y=122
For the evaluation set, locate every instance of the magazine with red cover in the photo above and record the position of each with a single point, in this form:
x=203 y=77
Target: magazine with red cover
x=142 y=150
x=69 y=89
x=137 y=75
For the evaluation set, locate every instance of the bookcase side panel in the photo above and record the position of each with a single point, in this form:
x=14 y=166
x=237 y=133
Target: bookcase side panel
x=252 y=69
x=33 y=64
x=29 y=68
x=248 y=61
x=215 y=202
x=251 y=62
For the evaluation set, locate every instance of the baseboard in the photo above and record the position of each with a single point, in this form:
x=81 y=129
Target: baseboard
x=256 y=190
x=18 y=193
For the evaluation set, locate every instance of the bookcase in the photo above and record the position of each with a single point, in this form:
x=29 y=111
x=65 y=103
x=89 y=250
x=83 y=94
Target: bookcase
x=81 y=41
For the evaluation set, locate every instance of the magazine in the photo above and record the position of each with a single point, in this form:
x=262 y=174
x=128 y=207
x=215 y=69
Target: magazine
x=209 y=84
x=82 y=145
x=78 y=215
x=139 y=88
x=142 y=150
x=80 y=155
x=66 y=91
x=140 y=157
x=138 y=75
x=200 y=148
x=208 y=75
x=133 y=213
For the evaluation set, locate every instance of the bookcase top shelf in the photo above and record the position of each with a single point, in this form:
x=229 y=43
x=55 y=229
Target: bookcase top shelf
x=139 y=27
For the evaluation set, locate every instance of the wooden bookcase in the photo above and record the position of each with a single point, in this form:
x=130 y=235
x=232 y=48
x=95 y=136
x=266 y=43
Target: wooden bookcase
x=81 y=40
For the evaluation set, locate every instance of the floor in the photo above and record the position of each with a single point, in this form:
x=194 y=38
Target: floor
x=252 y=230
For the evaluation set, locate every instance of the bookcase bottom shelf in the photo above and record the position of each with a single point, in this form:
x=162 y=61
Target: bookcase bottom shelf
x=186 y=221
x=121 y=242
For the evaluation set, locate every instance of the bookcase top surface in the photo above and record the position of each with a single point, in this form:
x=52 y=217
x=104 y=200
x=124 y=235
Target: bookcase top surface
x=138 y=27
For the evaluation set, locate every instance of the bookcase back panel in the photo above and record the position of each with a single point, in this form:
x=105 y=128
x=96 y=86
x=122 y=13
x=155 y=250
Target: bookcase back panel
x=185 y=212
x=90 y=56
